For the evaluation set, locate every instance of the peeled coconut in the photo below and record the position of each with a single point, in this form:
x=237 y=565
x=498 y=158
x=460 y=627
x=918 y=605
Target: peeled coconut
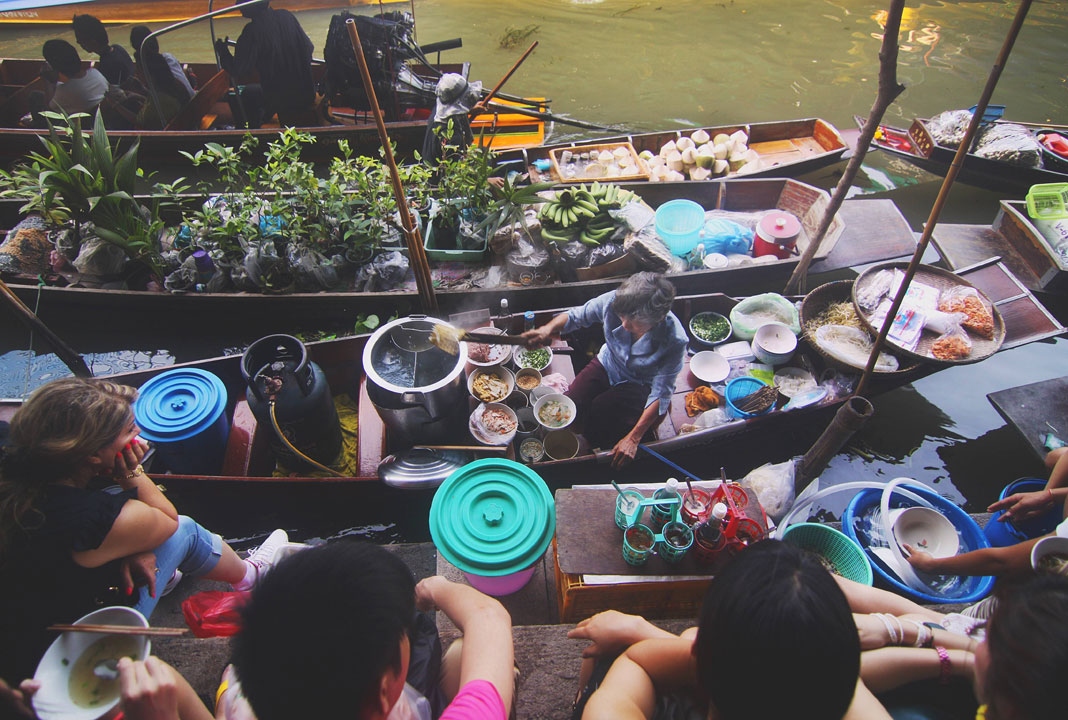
x=721 y=139
x=674 y=176
x=737 y=160
x=706 y=156
x=700 y=137
x=674 y=161
x=720 y=167
x=646 y=155
x=683 y=143
x=667 y=148
x=606 y=157
x=721 y=150
x=689 y=156
x=700 y=173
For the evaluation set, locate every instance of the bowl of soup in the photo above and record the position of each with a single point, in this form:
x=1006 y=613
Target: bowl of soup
x=72 y=688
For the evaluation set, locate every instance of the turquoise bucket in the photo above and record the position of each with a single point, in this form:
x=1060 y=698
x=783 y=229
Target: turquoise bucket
x=183 y=413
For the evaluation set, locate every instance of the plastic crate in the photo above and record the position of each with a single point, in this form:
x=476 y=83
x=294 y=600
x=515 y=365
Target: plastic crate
x=1048 y=201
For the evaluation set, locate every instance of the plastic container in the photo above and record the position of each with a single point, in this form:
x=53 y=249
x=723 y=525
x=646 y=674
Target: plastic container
x=845 y=555
x=678 y=538
x=560 y=444
x=678 y=223
x=1048 y=201
x=664 y=513
x=739 y=388
x=971 y=588
x=1011 y=532
x=493 y=519
x=776 y=234
x=183 y=412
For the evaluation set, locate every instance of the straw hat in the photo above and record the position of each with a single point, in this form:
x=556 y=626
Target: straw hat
x=455 y=96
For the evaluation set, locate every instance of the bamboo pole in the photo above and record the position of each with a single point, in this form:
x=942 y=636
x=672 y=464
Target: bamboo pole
x=416 y=254
x=480 y=106
x=65 y=352
x=889 y=89
x=943 y=193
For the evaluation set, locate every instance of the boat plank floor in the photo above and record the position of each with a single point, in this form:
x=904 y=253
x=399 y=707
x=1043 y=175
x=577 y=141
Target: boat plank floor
x=1035 y=409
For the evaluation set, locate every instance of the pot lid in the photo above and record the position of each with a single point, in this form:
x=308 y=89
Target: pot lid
x=420 y=468
x=179 y=404
x=779 y=225
x=492 y=517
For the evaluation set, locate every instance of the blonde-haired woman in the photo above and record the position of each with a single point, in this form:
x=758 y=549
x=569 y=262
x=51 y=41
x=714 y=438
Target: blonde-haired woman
x=66 y=547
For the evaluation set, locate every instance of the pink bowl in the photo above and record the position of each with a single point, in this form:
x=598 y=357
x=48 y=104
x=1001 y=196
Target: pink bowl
x=502 y=584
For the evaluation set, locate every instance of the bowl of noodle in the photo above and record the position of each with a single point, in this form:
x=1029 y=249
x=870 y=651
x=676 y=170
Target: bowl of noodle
x=554 y=411
x=492 y=384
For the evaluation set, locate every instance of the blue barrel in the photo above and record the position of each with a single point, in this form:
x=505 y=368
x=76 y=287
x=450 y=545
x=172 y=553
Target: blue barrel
x=183 y=412
x=1010 y=532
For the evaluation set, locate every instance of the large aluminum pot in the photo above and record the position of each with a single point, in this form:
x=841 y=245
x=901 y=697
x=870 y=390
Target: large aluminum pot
x=418 y=389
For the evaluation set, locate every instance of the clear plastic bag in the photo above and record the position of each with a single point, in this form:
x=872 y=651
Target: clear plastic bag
x=100 y=258
x=966 y=301
x=751 y=313
x=1009 y=143
x=391 y=267
x=948 y=128
x=774 y=487
x=953 y=345
x=311 y=269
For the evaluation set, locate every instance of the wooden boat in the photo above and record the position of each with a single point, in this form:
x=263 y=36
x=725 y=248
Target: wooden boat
x=916 y=145
x=207 y=117
x=785 y=148
x=59 y=12
x=248 y=458
x=1027 y=246
x=865 y=231
x=1029 y=409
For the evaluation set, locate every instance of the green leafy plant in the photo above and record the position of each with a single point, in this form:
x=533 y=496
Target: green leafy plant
x=509 y=204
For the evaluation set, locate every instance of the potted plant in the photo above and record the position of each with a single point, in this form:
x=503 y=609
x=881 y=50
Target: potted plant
x=461 y=199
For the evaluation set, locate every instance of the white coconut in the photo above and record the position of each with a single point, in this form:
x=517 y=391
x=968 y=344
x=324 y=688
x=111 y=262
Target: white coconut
x=689 y=156
x=646 y=155
x=621 y=152
x=721 y=150
x=683 y=143
x=700 y=173
x=674 y=161
x=721 y=139
x=667 y=148
x=626 y=161
x=720 y=167
x=612 y=171
x=606 y=157
x=700 y=137
x=736 y=161
x=674 y=176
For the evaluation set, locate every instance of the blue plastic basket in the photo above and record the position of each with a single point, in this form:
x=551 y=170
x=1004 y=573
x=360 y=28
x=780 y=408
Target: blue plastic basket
x=1010 y=532
x=737 y=389
x=971 y=589
x=678 y=224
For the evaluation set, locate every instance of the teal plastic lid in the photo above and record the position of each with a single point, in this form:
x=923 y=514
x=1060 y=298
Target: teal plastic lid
x=492 y=517
x=179 y=404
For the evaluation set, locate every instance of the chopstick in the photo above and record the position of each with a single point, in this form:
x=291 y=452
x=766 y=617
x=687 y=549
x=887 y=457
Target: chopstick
x=120 y=629
x=491 y=339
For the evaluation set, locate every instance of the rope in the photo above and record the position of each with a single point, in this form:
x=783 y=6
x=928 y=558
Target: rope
x=293 y=448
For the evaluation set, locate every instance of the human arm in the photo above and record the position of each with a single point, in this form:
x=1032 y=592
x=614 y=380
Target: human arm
x=542 y=336
x=888 y=668
x=985 y=561
x=629 y=689
x=875 y=633
x=15 y=702
x=153 y=690
x=865 y=706
x=627 y=447
x=1021 y=506
x=611 y=631
x=487 y=630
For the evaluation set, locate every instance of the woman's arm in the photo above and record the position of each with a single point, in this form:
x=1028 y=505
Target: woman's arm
x=611 y=631
x=888 y=668
x=985 y=561
x=627 y=447
x=542 y=336
x=629 y=689
x=865 y=706
x=131 y=476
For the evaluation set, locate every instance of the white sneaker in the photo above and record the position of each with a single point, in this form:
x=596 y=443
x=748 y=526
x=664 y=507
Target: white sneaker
x=172 y=583
x=262 y=558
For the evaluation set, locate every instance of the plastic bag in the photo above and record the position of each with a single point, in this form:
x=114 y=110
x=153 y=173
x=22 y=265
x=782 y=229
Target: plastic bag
x=575 y=253
x=966 y=301
x=183 y=279
x=751 y=313
x=100 y=258
x=726 y=237
x=606 y=253
x=391 y=267
x=948 y=128
x=953 y=345
x=263 y=263
x=312 y=270
x=214 y=613
x=774 y=487
x=1009 y=143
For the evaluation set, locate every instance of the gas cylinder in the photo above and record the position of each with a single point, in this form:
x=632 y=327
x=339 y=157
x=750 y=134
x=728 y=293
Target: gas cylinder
x=281 y=378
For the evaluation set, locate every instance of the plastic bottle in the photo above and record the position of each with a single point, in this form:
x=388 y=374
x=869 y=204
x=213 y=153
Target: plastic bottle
x=712 y=531
x=528 y=320
x=664 y=513
x=504 y=317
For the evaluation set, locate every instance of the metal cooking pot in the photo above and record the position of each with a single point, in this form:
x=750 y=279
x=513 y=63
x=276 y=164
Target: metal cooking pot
x=418 y=389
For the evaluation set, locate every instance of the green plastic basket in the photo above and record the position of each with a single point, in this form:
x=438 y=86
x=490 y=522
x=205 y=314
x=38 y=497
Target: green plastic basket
x=1048 y=201
x=846 y=556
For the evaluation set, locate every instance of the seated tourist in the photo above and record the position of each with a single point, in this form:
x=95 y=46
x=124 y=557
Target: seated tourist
x=138 y=33
x=166 y=95
x=115 y=63
x=77 y=89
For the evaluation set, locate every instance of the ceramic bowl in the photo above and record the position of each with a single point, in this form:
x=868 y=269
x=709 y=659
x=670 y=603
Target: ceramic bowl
x=497 y=353
x=925 y=529
x=527 y=376
x=774 y=343
x=71 y=651
x=486 y=436
x=709 y=342
x=501 y=372
x=710 y=367
x=568 y=403
x=520 y=356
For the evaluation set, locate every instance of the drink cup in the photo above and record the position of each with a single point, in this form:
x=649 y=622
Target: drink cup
x=638 y=541
x=696 y=506
x=527 y=426
x=678 y=537
x=628 y=508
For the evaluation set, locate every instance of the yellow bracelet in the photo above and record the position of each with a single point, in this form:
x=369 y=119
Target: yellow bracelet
x=139 y=470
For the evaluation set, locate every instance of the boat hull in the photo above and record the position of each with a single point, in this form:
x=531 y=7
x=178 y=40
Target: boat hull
x=136 y=11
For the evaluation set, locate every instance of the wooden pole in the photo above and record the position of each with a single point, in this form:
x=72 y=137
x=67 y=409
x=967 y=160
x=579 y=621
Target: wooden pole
x=65 y=353
x=480 y=106
x=943 y=193
x=889 y=89
x=416 y=254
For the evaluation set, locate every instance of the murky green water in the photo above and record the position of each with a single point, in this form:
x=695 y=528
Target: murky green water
x=674 y=63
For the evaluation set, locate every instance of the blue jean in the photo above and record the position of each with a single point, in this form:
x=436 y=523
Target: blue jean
x=191 y=549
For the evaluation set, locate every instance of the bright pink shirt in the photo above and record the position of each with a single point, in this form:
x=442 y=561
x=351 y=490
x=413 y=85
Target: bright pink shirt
x=477 y=700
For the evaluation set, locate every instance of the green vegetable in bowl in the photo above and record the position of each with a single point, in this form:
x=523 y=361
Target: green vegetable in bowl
x=710 y=328
x=538 y=358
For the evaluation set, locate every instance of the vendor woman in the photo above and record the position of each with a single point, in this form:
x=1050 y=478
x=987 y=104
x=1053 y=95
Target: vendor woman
x=624 y=392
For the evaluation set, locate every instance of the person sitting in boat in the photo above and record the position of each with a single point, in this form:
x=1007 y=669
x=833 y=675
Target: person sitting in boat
x=166 y=94
x=624 y=393
x=275 y=53
x=67 y=547
x=115 y=63
x=327 y=635
x=775 y=639
x=450 y=125
x=77 y=89
x=187 y=80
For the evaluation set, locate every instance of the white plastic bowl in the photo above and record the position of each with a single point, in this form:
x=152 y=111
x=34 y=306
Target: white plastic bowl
x=774 y=343
x=53 y=700
x=502 y=372
x=554 y=397
x=710 y=366
x=925 y=529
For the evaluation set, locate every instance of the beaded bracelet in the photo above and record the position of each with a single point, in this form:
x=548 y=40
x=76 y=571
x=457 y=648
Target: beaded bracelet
x=895 y=637
x=946 y=666
x=924 y=635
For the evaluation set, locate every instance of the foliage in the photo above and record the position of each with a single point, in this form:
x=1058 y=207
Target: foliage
x=463 y=179
x=510 y=201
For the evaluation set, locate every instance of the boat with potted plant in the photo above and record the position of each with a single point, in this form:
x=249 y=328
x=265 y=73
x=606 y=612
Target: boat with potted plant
x=410 y=404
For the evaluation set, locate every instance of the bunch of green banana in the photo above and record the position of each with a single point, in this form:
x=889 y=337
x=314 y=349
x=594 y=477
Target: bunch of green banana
x=608 y=195
x=582 y=214
x=569 y=207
